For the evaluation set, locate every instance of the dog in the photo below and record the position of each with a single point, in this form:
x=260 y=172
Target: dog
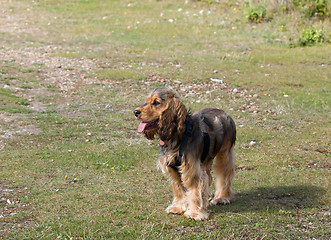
x=191 y=145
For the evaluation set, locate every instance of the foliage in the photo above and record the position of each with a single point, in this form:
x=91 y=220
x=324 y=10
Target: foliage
x=311 y=36
x=256 y=14
x=313 y=8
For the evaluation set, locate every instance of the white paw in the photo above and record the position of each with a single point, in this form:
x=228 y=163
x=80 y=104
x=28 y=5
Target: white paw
x=224 y=201
x=197 y=215
x=176 y=209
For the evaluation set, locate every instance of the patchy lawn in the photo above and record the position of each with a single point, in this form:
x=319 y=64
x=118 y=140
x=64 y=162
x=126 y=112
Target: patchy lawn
x=72 y=163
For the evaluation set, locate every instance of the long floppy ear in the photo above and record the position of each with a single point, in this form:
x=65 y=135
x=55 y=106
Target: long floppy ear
x=172 y=120
x=181 y=112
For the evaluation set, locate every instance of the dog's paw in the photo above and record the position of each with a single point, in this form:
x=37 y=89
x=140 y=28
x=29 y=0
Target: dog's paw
x=222 y=200
x=176 y=209
x=197 y=215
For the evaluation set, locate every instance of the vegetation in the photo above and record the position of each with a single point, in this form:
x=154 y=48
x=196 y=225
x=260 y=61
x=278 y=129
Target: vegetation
x=311 y=36
x=257 y=14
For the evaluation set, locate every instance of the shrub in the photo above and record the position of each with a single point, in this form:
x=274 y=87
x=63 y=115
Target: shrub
x=313 y=8
x=256 y=14
x=311 y=36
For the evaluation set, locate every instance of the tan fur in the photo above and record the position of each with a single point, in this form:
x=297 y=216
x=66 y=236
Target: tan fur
x=192 y=179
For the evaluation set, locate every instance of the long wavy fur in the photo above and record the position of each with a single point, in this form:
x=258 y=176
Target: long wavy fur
x=192 y=178
x=172 y=120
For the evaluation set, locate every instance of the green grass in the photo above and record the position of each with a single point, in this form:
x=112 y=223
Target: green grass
x=11 y=103
x=72 y=161
x=118 y=74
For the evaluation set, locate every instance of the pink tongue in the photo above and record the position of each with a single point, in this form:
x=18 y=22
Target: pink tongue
x=142 y=126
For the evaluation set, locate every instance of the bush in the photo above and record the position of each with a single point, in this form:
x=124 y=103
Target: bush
x=313 y=8
x=311 y=36
x=256 y=14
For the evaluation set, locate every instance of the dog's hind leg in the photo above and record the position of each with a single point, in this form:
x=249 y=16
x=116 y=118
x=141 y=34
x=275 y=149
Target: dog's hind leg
x=224 y=169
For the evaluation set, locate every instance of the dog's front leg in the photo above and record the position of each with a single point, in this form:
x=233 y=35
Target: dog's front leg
x=196 y=181
x=178 y=205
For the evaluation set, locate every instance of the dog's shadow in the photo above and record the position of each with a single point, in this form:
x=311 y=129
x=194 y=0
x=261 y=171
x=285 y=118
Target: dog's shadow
x=287 y=198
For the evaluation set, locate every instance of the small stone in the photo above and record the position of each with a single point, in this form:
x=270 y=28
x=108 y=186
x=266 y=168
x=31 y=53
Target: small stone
x=216 y=80
x=252 y=142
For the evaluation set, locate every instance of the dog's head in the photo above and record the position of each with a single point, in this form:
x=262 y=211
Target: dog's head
x=162 y=114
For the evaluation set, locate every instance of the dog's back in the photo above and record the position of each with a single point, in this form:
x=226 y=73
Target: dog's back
x=219 y=126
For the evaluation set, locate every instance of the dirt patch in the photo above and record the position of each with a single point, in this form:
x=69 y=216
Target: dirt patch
x=57 y=76
x=64 y=73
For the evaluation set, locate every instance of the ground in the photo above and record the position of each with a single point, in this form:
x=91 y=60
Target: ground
x=73 y=165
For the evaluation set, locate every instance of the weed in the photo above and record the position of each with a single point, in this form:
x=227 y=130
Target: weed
x=311 y=36
x=313 y=8
x=256 y=14
x=23 y=101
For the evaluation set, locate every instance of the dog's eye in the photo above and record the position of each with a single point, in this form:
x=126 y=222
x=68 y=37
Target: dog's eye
x=156 y=103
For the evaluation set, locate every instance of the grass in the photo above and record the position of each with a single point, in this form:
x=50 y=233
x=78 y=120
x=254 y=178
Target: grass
x=118 y=74
x=73 y=165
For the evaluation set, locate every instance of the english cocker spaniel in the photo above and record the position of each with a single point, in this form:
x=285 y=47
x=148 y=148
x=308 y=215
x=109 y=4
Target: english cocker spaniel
x=188 y=145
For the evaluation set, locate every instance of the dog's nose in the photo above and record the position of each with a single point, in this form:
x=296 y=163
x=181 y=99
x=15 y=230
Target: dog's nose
x=136 y=113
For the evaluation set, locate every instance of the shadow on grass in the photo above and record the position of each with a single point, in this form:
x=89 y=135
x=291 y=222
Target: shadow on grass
x=281 y=197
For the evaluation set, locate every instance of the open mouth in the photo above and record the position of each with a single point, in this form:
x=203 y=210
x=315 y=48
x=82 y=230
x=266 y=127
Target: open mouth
x=146 y=126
